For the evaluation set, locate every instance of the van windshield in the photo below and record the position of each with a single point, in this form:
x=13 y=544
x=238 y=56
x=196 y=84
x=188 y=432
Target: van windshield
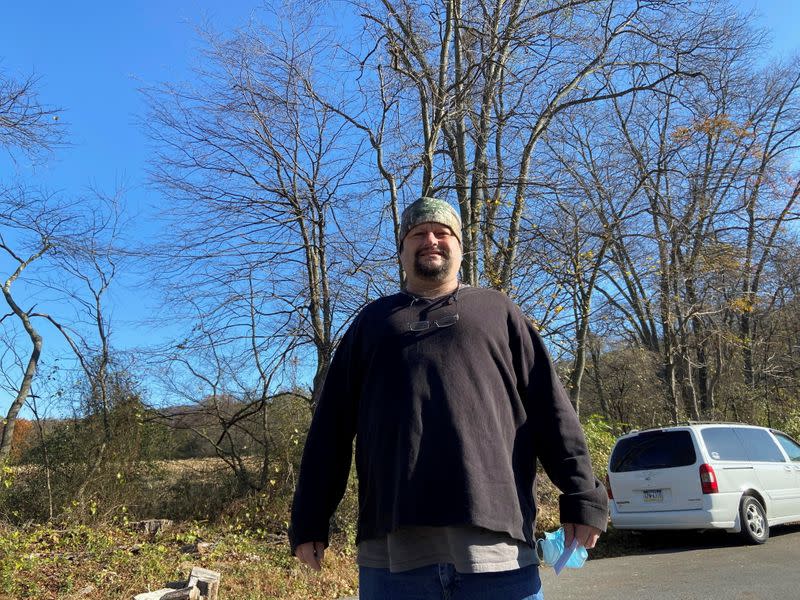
x=653 y=450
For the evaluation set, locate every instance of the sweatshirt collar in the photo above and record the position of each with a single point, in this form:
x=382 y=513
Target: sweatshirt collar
x=417 y=297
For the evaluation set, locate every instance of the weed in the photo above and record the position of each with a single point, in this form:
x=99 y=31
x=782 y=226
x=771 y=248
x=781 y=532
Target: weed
x=48 y=562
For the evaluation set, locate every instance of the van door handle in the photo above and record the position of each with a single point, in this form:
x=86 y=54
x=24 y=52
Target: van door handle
x=787 y=467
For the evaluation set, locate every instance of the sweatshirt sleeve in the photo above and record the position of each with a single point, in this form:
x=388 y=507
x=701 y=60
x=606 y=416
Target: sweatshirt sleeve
x=327 y=455
x=559 y=441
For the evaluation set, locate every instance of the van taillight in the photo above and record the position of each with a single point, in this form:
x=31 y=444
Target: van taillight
x=708 y=479
x=608 y=488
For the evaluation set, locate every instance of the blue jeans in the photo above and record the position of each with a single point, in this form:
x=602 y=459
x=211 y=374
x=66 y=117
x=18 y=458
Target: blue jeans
x=443 y=582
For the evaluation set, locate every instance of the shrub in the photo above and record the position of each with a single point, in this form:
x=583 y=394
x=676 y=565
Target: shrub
x=600 y=438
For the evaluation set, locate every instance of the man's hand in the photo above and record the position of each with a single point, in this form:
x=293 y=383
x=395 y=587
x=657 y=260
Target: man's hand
x=311 y=554
x=585 y=534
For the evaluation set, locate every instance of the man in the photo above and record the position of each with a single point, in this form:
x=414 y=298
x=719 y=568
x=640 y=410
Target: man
x=451 y=398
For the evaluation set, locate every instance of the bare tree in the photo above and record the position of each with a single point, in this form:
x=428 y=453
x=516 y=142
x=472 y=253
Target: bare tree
x=692 y=150
x=26 y=124
x=772 y=189
x=484 y=82
x=258 y=174
x=29 y=126
x=223 y=395
x=86 y=269
x=587 y=207
x=267 y=243
x=31 y=227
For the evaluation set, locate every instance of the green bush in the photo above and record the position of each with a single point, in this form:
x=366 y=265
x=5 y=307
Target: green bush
x=82 y=475
x=790 y=424
x=600 y=438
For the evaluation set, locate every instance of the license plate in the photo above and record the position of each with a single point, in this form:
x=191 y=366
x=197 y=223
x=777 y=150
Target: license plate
x=653 y=495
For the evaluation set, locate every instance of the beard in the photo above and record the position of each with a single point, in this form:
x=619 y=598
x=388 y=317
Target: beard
x=433 y=271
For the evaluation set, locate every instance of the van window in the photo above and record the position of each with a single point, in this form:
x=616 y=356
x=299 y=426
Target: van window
x=792 y=448
x=760 y=445
x=653 y=450
x=723 y=444
x=741 y=443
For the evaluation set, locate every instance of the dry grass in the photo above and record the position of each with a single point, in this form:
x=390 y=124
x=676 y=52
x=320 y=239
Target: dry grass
x=200 y=466
x=100 y=563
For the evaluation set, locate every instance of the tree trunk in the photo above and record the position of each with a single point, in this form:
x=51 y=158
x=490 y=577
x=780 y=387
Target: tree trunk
x=33 y=360
x=22 y=394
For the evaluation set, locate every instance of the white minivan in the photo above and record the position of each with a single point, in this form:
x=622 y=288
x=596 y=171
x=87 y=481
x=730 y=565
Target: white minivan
x=729 y=476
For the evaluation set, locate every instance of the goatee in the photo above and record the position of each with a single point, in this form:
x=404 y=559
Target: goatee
x=433 y=271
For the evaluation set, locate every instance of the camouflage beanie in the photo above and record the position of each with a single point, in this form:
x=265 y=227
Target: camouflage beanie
x=429 y=210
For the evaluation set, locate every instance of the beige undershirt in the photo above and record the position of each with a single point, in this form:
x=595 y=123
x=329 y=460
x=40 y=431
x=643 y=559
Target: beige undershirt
x=470 y=549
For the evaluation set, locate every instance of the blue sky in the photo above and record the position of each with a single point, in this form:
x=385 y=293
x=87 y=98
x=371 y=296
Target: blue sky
x=92 y=57
x=782 y=18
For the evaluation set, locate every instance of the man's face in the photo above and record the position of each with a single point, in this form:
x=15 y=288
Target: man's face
x=431 y=253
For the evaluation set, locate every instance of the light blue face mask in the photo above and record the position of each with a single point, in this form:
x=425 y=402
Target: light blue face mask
x=552 y=553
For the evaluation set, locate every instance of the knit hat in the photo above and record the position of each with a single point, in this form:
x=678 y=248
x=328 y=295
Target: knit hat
x=429 y=210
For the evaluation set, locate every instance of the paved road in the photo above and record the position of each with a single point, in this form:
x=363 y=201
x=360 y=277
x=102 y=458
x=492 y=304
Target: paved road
x=687 y=566
x=691 y=566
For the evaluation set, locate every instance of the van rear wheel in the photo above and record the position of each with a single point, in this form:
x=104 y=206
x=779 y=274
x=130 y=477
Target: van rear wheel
x=755 y=528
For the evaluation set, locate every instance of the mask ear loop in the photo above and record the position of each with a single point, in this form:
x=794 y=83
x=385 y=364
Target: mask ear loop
x=539 y=552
